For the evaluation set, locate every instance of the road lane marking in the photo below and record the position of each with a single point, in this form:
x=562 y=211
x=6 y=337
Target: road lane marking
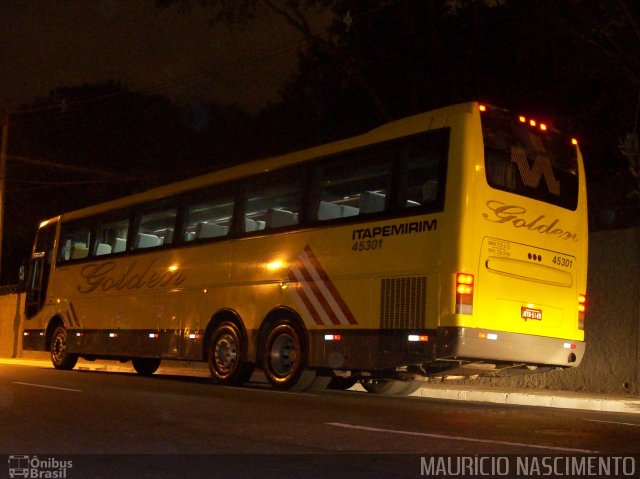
x=48 y=387
x=460 y=438
x=614 y=422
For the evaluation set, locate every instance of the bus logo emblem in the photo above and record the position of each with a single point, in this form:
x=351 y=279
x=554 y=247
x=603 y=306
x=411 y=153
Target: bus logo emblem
x=315 y=294
x=541 y=167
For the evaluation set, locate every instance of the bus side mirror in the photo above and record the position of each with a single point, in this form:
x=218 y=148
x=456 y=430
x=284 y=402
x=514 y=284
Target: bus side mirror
x=22 y=275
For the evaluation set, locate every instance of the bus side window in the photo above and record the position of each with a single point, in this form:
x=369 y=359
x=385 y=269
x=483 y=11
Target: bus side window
x=112 y=236
x=274 y=201
x=355 y=183
x=209 y=215
x=156 y=227
x=423 y=164
x=75 y=241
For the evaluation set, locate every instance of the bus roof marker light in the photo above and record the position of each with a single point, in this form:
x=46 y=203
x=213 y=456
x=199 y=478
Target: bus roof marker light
x=574 y=141
x=532 y=122
x=482 y=107
x=543 y=127
x=522 y=119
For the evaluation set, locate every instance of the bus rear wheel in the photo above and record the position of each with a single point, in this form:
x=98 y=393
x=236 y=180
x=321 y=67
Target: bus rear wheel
x=284 y=358
x=390 y=387
x=145 y=366
x=60 y=356
x=227 y=356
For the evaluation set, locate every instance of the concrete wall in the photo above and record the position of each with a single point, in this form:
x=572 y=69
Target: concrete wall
x=11 y=307
x=612 y=359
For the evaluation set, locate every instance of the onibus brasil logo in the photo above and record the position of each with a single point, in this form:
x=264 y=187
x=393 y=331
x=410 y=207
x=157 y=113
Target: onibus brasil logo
x=34 y=467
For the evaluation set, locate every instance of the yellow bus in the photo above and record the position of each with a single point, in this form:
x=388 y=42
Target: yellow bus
x=452 y=242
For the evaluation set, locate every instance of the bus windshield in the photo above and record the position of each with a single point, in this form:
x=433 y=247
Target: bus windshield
x=527 y=159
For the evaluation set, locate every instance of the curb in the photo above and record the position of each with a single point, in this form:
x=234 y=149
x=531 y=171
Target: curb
x=551 y=399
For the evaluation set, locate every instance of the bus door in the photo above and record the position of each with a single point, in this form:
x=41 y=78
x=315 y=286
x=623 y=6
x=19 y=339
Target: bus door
x=39 y=270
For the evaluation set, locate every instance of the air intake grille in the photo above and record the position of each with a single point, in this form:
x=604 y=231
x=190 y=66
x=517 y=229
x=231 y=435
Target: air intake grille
x=403 y=302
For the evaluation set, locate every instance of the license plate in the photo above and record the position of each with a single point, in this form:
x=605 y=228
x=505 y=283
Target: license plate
x=530 y=313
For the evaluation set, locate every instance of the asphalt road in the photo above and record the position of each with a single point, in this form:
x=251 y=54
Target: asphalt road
x=150 y=424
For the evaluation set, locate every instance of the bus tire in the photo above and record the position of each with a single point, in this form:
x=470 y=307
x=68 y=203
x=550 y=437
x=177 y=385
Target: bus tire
x=389 y=387
x=284 y=358
x=145 y=366
x=60 y=357
x=226 y=355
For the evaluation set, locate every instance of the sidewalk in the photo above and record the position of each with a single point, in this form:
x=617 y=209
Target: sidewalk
x=524 y=397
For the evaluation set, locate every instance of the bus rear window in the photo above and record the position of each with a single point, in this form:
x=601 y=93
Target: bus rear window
x=525 y=160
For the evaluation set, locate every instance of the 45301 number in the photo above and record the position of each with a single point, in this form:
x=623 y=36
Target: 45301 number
x=563 y=262
x=367 y=245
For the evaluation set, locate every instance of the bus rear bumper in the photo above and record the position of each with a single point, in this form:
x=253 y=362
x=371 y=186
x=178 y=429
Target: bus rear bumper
x=471 y=344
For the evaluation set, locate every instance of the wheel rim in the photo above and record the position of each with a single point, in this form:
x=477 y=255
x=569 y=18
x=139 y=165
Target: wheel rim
x=59 y=347
x=225 y=354
x=284 y=355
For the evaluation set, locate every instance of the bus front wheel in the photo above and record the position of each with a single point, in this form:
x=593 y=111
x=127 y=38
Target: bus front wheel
x=145 y=366
x=60 y=356
x=284 y=358
x=227 y=356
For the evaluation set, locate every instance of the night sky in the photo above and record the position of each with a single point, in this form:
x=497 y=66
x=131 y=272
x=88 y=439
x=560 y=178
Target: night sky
x=168 y=51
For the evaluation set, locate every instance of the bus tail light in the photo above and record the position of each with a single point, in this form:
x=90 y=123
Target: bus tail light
x=464 y=293
x=582 y=307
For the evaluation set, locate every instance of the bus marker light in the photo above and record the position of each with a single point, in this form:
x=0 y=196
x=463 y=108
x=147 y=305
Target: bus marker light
x=332 y=337
x=522 y=119
x=154 y=335
x=569 y=346
x=414 y=338
x=482 y=107
x=78 y=335
x=582 y=303
x=275 y=265
x=543 y=127
x=492 y=336
x=532 y=122
x=113 y=335
x=574 y=141
x=26 y=333
x=464 y=293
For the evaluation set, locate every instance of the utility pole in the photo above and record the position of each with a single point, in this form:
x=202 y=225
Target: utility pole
x=3 y=172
